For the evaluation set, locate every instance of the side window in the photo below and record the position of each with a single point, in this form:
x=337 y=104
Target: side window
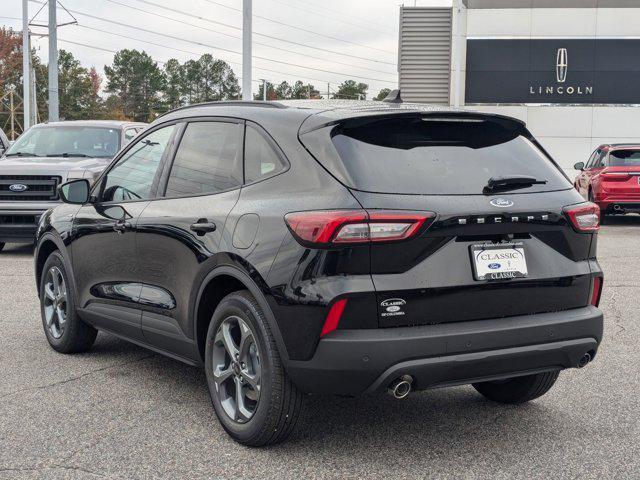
x=591 y=159
x=208 y=160
x=129 y=133
x=132 y=177
x=601 y=160
x=260 y=158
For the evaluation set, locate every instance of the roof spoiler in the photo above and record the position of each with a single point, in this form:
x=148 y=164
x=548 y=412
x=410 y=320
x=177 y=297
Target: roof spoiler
x=393 y=97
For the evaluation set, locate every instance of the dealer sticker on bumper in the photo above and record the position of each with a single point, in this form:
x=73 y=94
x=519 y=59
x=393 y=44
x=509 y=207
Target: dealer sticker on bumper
x=498 y=261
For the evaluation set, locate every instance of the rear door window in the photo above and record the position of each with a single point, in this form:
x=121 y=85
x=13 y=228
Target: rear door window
x=416 y=154
x=208 y=160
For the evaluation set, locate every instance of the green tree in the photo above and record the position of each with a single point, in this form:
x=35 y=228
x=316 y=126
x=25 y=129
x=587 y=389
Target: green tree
x=175 y=86
x=283 y=91
x=137 y=81
x=351 y=90
x=382 y=94
x=300 y=91
x=77 y=89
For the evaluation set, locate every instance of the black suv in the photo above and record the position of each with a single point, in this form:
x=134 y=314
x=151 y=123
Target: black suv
x=315 y=248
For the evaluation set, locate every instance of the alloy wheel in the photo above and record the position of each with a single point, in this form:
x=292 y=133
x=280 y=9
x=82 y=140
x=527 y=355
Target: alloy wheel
x=236 y=369
x=55 y=302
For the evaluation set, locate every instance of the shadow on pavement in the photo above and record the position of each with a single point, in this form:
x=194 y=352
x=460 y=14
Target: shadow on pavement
x=630 y=220
x=21 y=249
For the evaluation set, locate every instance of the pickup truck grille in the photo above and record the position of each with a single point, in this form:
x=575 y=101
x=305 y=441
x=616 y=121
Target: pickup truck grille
x=39 y=188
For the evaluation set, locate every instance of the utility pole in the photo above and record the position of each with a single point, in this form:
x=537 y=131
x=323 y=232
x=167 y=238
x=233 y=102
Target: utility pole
x=54 y=106
x=12 y=112
x=246 y=49
x=328 y=90
x=26 y=67
x=34 y=97
x=265 y=85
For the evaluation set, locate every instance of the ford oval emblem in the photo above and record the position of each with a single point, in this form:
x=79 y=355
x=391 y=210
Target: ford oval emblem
x=18 y=187
x=501 y=202
x=494 y=266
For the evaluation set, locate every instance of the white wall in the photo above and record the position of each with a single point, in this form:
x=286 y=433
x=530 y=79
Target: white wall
x=569 y=133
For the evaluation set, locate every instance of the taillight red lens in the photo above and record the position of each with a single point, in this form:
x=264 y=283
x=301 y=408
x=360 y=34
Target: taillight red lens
x=597 y=291
x=355 y=226
x=584 y=217
x=333 y=318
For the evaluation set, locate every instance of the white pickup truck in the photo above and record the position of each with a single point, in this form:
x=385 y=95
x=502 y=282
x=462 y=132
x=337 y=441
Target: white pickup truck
x=47 y=155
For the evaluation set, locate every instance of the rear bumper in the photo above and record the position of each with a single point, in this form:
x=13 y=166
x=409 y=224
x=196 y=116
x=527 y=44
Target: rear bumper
x=362 y=361
x=621 y=205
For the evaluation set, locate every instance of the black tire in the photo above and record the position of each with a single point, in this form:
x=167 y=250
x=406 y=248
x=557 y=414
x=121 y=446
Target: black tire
x=1 y=246
x=280 y=402
x=518 y=389
x=76 y=336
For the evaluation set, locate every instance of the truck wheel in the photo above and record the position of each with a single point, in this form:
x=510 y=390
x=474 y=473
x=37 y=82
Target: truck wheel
x=518 y=389
x=65 y=331
x=1 y=246
x=255 y=401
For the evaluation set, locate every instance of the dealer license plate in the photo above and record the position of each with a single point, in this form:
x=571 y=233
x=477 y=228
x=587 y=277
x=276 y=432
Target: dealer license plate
x=498 y=261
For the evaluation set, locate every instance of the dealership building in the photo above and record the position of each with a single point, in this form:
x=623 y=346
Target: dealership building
x=569 y=68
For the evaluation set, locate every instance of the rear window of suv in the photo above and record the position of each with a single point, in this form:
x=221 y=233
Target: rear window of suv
x=624 y=158
x=417 y=154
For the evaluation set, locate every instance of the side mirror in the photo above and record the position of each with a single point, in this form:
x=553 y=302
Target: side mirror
x=579 y=166
x=75 y=191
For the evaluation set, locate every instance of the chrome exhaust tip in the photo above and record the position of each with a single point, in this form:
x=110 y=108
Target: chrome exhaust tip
x=401 y=387
x=586 y=358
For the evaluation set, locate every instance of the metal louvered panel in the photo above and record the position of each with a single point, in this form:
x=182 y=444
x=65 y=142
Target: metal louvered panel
x=424 y=60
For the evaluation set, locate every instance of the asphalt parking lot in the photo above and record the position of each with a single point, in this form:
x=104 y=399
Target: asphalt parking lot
x=123 y=412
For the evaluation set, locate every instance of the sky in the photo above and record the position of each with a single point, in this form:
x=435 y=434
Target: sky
x=350 y=39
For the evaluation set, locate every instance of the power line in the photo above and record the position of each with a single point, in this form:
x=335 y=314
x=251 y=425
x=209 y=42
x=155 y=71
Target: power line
x=342 y=74
x=307 y=3
x=331 y=17
x=230 y=35
x=194 y=53
x=272 y=37
x=278 y=22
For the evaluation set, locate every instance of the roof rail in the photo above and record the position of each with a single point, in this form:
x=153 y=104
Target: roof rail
x=226 y=103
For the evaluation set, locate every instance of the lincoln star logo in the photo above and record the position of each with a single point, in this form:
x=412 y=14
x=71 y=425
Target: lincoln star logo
x=501 y=202
x=18 y=187
x=562 y=63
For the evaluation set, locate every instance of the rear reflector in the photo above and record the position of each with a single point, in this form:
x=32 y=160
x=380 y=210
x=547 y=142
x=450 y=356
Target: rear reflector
x=355 y=226
x=584 y=217
x=597 y=291
x=333 y=318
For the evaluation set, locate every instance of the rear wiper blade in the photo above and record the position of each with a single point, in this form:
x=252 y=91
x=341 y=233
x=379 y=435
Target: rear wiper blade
x=511 y=182
x=21 y=154
x=67 y=154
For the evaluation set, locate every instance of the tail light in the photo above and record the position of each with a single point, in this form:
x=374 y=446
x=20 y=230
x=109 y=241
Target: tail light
x=336 y=227
x=597 y=291
x=584 y=217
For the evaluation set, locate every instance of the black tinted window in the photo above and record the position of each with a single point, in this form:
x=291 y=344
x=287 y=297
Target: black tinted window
x=425 y=155
x=133 y=175
x=260 y=159
x=624 y=158
x=207 y=161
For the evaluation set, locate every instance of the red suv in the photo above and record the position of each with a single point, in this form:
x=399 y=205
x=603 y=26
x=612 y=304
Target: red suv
x=611 y=178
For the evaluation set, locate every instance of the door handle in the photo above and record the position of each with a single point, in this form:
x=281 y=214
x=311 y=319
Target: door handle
x=121 y=226
x=203 y=226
